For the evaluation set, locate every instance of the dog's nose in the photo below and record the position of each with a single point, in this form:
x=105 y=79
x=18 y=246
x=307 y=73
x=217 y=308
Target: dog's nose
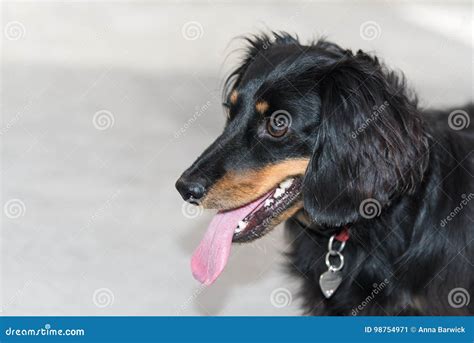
x=191 y=191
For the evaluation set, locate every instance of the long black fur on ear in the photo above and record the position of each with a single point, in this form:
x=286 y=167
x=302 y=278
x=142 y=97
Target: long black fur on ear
x=370 y=143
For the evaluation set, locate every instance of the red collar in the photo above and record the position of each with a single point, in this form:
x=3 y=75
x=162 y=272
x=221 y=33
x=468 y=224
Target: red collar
x=343 y=235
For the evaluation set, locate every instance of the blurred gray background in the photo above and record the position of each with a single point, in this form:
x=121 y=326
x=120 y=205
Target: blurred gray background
x=105 y=103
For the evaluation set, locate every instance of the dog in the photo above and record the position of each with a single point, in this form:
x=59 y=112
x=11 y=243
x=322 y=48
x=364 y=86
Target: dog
x=377 y=193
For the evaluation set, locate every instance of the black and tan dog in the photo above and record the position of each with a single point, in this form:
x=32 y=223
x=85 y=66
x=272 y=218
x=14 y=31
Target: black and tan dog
x=332 y=142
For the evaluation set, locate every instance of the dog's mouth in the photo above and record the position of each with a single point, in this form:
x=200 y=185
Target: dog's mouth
x=268 y=211
x=243 y=224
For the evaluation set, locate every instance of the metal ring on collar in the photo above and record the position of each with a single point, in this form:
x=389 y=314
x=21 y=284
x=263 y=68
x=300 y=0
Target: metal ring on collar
x=331 y=242
x=328 y=262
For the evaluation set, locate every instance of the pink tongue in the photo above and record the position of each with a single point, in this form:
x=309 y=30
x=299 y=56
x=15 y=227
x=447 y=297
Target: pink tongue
x=211 y=255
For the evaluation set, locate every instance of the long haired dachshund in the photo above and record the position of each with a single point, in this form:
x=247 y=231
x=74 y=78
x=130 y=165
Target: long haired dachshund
x=377 y=193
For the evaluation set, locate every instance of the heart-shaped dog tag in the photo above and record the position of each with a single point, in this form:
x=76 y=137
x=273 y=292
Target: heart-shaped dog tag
x=329 y=282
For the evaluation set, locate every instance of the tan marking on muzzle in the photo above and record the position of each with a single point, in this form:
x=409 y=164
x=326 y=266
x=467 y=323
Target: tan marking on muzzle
x=238 y=188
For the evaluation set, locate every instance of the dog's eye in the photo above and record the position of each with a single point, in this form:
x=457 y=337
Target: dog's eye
x=277 y=128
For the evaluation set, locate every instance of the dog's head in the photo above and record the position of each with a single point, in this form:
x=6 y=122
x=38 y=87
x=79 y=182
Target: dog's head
x=311 y=127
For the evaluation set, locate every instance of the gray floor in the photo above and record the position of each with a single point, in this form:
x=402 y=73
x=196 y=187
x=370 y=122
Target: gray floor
x=91 y=223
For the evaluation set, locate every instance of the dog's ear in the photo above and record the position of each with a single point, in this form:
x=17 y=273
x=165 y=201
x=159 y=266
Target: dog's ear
x=370 y=144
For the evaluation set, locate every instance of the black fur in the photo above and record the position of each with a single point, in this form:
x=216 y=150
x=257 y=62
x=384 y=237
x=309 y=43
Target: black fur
x=408 y=159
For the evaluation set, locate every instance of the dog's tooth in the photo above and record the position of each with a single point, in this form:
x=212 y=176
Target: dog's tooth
x=287 y=183
x=268 y=202
x=241 y=225
x=278 y=192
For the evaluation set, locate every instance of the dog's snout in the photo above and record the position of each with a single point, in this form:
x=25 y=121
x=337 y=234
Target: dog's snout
x=190 y=190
